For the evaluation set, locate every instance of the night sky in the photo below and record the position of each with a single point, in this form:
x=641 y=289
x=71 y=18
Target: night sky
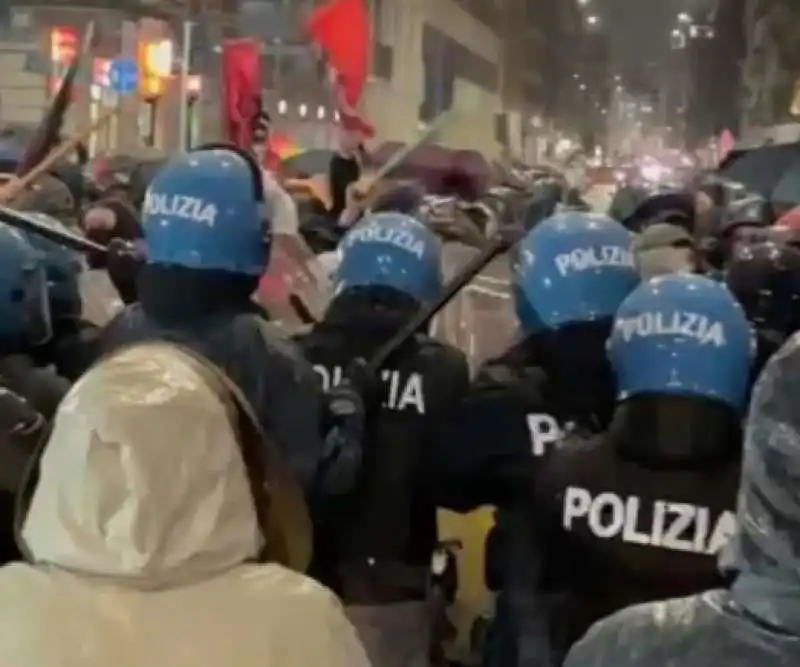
x=639 y=29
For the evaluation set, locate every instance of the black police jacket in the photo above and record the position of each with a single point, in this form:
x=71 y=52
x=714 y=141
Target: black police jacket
x=612 y=532
x=513 y=417
x=390 y=516
x=210 y=313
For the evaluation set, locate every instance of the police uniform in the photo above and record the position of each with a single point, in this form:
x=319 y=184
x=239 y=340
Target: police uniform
x=617 y=532
x=642 y=512
x=385 y=530
x=571 y=273
x=376 y=539
x=208 y=244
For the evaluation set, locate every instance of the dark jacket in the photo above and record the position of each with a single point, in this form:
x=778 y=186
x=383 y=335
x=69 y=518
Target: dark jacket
x=391 y=514
x=757 y=620
x=211 y=313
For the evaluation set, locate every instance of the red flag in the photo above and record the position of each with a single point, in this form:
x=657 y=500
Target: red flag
x=241 y=89
x=341 y=29
x=726 y=144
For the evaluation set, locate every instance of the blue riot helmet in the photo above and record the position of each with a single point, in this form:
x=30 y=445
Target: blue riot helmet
x=390 y=250
x=24 y=303
x=682 y=335
x=62 y=267
x=573 y=267
x=205 y=210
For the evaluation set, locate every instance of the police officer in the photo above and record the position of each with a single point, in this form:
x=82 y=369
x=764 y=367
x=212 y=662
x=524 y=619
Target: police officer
x=208 y=239
x=73 y=344
x=641 y=512
x=25 y=391
x=571 y=273
x=765 y=277
x=26 y=321
x=374 y=544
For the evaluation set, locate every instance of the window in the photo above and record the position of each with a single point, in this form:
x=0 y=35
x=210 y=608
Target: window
x=482 y=11
x=382 y=61
x=474 y=68
x=445 y=59
x=438 y=73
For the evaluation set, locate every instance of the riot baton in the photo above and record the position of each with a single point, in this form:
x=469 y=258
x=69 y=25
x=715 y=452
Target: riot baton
x=424 y=315
x=364 y=373
x=28 y=223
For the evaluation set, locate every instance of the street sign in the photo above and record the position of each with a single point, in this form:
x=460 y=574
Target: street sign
x=123 y=76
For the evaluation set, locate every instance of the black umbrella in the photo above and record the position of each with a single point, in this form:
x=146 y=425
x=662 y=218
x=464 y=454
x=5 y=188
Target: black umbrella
x=770 y=171
x=305 y=165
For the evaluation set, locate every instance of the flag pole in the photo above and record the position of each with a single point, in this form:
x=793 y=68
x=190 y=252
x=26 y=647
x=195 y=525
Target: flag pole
x=183 y=118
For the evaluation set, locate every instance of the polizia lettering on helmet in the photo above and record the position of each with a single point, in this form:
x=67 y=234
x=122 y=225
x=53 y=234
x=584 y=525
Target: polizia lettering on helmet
x=181 y=207
x=586 y=259
x=675 y=526
x=404 y=391
x=678 y=323
x=399 y=238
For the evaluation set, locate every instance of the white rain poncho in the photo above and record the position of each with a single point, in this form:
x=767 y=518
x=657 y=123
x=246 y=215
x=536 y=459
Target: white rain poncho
x=757 y=622
x=143 y=533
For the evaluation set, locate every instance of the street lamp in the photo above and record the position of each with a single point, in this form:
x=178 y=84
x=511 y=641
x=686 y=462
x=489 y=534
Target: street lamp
x=684 y=18
x=593 y=20
x=583 y=3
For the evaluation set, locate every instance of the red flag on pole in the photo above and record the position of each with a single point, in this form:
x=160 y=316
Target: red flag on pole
x=726 y=144
x=241 y=90
x=341 y=29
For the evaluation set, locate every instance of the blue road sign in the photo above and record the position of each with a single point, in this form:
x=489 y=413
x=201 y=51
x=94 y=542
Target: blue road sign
x=123 y=76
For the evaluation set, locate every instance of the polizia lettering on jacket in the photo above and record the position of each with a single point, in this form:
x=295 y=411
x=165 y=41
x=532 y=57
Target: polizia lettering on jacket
x=545 y=432
x=403 y=392
x=678 y=323
x=587 y=259
x=181 y=207
x=675 y=526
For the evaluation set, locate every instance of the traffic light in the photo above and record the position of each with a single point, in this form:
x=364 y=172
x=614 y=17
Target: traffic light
x=155 y=67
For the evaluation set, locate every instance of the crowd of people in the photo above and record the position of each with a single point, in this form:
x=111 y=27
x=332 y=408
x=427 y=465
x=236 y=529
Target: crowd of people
x=187 y=484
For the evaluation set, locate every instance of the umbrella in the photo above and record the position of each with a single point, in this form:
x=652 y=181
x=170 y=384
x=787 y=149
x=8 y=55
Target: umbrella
x=473 y=170
x=770 y=171
x=427 y=164
x=309 y=163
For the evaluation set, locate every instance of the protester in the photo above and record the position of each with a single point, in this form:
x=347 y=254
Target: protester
x=755 y=621
x=664 y=248
x=149 y=531
x=744 y=221
x=765 y=278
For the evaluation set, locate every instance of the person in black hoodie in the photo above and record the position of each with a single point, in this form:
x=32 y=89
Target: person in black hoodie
x=571 y=272
x=765 y=278
x=641 y=512
x=206 y=228
x=374 y=544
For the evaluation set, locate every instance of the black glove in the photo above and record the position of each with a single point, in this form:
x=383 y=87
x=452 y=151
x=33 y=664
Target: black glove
x=124 y=262
x=341 y=459
x=21 y=430
x=17 y=416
